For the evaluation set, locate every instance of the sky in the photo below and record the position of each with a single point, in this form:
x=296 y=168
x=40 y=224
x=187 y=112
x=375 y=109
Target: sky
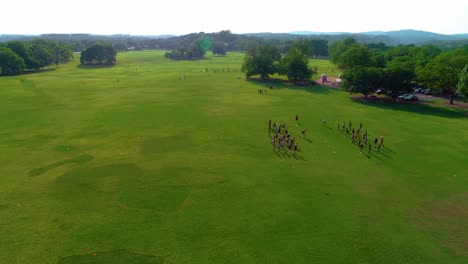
x=177 y=17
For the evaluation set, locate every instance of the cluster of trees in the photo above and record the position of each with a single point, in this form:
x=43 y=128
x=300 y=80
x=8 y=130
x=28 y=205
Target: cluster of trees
x=396 y=70
x=266 y=60
x=196 y=50
x=100 y=54
x=19 y=56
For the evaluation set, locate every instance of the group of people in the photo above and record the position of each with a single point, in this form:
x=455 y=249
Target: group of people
x=360 y=137
x=282 y=137
x=264 y=91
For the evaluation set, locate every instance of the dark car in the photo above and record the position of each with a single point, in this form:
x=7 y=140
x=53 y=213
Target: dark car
x=402 y=96
x=411 y=97
x=428 y=91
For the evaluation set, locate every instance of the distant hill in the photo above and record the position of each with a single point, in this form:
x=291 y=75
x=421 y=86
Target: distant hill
x=417 y=37
x=403 y=37
x=319 y=33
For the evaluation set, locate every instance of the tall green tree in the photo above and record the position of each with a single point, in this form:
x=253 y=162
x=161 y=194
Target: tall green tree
x=443 y=72
x=43 y=55
x=295 y=65
x=398 y=78
x=99 y=54
x=462 y=85
x=10 y=62
x=355 y=55
x=319 y=47
x=261 y=60
x=219 y=48
x=363 y=80
x=336 y=49
x=304 y=46
x=24 y=51
x=61 y=54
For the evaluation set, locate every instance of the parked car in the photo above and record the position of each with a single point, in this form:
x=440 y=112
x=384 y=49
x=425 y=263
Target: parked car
x=418 y=90
x=402 y=96
x=428 y=91
x=380 y=91
x=411 y=97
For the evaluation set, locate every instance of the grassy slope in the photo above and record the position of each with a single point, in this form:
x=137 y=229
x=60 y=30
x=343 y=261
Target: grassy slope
x=133 y=158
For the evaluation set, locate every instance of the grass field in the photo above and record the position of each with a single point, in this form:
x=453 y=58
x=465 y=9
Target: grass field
x=131 y=164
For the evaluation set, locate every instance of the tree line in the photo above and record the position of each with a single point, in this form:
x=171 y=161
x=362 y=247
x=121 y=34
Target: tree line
x=195 y=46
x=16 y=57
x=223 y=40
x=396 y=70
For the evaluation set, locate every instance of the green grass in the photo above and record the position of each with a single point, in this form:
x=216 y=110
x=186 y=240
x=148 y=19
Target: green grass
x=138 y=166
x=325 y=67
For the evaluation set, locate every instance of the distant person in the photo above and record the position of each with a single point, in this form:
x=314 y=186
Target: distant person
x=324 y=121
x=324 y=78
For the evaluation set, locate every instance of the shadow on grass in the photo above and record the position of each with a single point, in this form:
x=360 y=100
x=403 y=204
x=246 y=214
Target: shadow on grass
x=310 y=87
x=414 y=108
x=285 y=154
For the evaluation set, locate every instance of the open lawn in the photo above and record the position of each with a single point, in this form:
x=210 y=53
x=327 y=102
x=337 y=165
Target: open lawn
x=134 y=164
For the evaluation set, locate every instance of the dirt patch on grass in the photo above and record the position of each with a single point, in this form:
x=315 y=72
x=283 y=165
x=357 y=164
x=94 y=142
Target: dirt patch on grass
x=332 y=82
x=446 y=221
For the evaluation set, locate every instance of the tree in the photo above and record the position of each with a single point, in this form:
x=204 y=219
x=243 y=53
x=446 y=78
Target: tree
x=319 y=47
x=363 y=80
x=304 y=46
x=196 y=50
x=219 y=48
x=43 y=55
x=99 y=54
x=336 y=49
x=462 y=85
x=443 y=72
x=24 y=52
x=61 y=54
x=295 y=65
x=261 y=60
x=120 y=46
x=10 y=62
x=355 y=55
x=398 y=78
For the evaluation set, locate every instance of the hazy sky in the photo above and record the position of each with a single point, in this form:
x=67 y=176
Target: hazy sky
x=152 y=17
